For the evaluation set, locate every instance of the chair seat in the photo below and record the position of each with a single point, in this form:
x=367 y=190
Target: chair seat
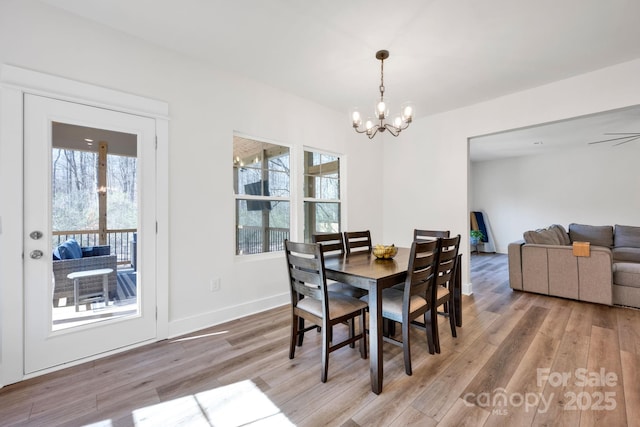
x=442 y=292
x=339 y=305
x=392 y=303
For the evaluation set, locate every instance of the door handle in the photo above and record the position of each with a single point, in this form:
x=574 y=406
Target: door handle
x=36 y=254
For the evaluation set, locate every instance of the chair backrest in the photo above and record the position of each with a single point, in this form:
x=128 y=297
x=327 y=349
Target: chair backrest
x=332 y=243
x=448 y=259
x=429 y=234
x=421 y=271
x=307 y=277
x=357 y=241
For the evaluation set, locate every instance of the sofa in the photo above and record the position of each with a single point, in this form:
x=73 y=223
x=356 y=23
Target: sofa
x=70 y=257
x=599 y=264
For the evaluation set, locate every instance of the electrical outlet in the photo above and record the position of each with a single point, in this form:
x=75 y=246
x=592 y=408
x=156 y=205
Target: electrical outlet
x=214 y=286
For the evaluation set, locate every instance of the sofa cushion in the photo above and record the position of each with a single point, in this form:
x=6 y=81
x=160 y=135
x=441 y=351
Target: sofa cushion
x=627 y=236
x=626 y=274
x=68 y=250
x=597 y=235
x=553 y=235
x=626 y=254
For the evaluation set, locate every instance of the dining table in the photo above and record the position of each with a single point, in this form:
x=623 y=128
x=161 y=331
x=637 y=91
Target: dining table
x=363 y=270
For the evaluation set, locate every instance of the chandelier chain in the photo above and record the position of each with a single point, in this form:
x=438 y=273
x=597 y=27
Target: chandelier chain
x=381 y=80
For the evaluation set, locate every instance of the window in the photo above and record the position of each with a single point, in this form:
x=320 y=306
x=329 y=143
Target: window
x=321 y=194
x=261 y=184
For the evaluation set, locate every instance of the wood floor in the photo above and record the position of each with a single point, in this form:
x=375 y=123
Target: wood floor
x=519 y=360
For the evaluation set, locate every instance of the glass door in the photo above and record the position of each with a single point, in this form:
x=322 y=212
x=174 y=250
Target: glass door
x=89 y=231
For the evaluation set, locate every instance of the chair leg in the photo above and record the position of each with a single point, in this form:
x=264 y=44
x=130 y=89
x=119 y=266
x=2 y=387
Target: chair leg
x=406 y=346
x=452 y=319
x=326 y=331
x=352 y=330
x=294 y=336
x=363 y=340
x=434 y=329
x=300 y=328
x=429 y=331
x=388 y=327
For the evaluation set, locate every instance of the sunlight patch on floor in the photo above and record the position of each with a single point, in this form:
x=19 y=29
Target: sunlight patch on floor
x=238 y=404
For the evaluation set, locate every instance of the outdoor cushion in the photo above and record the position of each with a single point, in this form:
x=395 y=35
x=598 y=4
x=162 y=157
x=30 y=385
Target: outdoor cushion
x=627 y=236
x=597 y=235
x=68 y=250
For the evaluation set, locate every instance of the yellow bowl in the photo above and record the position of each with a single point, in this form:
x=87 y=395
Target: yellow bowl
x=384 y=252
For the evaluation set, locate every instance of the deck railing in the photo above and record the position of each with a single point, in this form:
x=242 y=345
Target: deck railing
x=255 y=240
x=119 y=239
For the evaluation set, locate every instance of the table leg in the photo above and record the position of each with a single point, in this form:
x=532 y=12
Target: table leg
x=375 y=337
x=105 y=289
x=76 y=294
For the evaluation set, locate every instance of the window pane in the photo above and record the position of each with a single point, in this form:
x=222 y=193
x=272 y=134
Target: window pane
x=256 y=177
x=321 y=218
x=278 y=184
x=262 y=226
x=321 y=176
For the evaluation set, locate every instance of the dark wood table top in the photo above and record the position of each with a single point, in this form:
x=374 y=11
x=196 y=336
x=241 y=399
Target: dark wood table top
x=366 y=267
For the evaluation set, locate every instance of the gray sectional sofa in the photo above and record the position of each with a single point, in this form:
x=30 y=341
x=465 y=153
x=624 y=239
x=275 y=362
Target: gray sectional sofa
x=544 y=262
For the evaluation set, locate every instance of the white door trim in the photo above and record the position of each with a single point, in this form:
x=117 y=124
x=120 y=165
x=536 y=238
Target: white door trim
x=14 y=83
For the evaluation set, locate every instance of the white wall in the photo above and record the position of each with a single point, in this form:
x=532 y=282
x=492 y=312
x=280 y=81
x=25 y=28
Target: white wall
x=427 y=174
x=597 y=185
x=206 y=106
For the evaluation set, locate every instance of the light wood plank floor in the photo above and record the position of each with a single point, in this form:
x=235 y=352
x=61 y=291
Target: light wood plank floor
x=519 y=359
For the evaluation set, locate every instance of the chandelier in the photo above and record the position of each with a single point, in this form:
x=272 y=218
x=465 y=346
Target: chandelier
x=378 y=124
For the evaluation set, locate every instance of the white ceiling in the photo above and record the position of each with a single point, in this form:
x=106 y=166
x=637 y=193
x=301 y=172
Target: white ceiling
x=445 y=54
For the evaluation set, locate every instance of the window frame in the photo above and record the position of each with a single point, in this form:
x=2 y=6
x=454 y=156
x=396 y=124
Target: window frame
x=305 y=199
x=238 y=196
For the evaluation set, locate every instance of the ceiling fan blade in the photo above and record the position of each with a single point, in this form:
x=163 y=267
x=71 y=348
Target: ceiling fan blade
x=623 y=133
x=628 y=140
x=612 y=139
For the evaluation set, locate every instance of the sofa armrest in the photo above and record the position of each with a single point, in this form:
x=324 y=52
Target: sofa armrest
x=596 y=276
x=554 y=270
x=515 y=264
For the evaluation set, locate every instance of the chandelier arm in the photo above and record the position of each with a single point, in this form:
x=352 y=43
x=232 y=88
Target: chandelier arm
x=392 y=129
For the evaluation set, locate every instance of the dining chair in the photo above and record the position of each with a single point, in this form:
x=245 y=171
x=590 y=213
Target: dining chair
x=333 y=243
x=310 y=300
x=357 y=241
x=445 y=276
x=412 y=302
x=429 y=234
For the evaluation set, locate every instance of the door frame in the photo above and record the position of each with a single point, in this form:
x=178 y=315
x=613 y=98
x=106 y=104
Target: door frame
x=14 y=83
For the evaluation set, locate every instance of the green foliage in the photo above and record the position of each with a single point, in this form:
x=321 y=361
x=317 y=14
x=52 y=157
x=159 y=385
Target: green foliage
x=74 y=203
x=476 y=234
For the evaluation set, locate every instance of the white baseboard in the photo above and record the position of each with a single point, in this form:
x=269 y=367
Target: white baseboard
x=225 y=314
x=467 y=289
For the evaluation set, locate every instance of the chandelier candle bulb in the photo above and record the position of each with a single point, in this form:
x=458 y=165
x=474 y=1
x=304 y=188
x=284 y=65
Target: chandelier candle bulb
x=357 y=120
